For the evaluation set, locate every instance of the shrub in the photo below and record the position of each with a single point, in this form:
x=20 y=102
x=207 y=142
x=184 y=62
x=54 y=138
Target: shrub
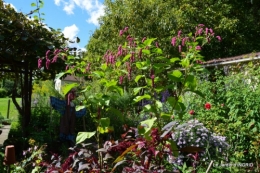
x=3 y=93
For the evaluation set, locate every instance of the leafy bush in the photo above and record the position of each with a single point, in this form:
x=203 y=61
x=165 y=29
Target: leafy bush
x=234 y=113
x=3 y=93
x=8 y=86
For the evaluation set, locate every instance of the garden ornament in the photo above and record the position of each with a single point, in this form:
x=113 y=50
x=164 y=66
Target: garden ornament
x=67 y=110
x=9 y=155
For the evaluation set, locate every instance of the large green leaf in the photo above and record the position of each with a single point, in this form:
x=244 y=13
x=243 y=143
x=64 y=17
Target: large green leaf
x=149 y=41
x=138 y=77
x=175 y=75
x=137 y=89
x=191 y=82
x=58 y=76
x=68 y=87
x=174 y=148
x=146 y=125
x=115 y=112
x=139 y=98
x=82 y=136
x=105 y=122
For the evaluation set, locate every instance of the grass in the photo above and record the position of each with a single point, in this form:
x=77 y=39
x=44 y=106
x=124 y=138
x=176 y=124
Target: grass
x=13 y=113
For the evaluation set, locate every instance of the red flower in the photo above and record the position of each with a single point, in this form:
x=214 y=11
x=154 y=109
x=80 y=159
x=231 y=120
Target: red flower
x=207 y=106
x=192 y=112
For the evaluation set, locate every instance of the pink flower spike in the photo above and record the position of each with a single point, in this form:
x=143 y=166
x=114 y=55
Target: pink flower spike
x=198 y=48
x=143 y=39
x=211 y=31
x=200 y=31
x=67 y=67
x=183 y=41
x=120 y=51
x=39 y=63
x=179 y=48
x=126 y=29
x=157 y=44
x=56 y=51
x=48 y=63
x=179 y=33
x=173 y=41
x=201 y=25
x=47 y=53
x=121 y=32
x=54 y=59
x=121 y=78
x=219 y=38
x=207 y=30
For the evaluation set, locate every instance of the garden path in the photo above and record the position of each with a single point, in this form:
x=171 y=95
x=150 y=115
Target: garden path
x=5 y=131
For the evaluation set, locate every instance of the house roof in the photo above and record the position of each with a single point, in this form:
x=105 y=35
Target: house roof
x=72 y=78
x=233 y=60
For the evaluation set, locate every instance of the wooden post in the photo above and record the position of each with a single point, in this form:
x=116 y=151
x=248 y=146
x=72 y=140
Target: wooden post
x=9 y=156
x=84 y=125
x=8 y=109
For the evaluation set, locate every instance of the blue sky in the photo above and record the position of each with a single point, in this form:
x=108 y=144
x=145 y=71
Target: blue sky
x=74 y=17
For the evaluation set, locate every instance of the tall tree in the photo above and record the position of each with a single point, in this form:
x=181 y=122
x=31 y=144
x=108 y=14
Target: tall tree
x=237 y=22
x=23 y=43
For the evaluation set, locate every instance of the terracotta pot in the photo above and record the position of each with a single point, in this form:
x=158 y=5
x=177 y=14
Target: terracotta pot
x=9 y=155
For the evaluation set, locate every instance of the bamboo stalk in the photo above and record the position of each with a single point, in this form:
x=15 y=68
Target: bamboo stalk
x=210 y=165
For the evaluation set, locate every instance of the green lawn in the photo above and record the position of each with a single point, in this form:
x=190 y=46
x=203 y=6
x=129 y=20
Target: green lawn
x=13 y=113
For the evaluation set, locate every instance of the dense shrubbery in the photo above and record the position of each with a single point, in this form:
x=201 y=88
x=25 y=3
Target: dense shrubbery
x=3 y=93
x=234 y=97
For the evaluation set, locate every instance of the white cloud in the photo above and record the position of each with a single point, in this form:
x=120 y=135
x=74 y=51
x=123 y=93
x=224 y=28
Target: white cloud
x=10 y=5
x=71 y=32
x=94 y=8
x=57 y=2
x=69 y=7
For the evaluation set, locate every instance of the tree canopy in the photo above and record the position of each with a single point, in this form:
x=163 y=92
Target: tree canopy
x=24 y=39
x=237 y=22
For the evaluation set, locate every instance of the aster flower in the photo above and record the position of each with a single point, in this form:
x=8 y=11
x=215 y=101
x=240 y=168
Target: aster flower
x=191 y=112
x=207 y=106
